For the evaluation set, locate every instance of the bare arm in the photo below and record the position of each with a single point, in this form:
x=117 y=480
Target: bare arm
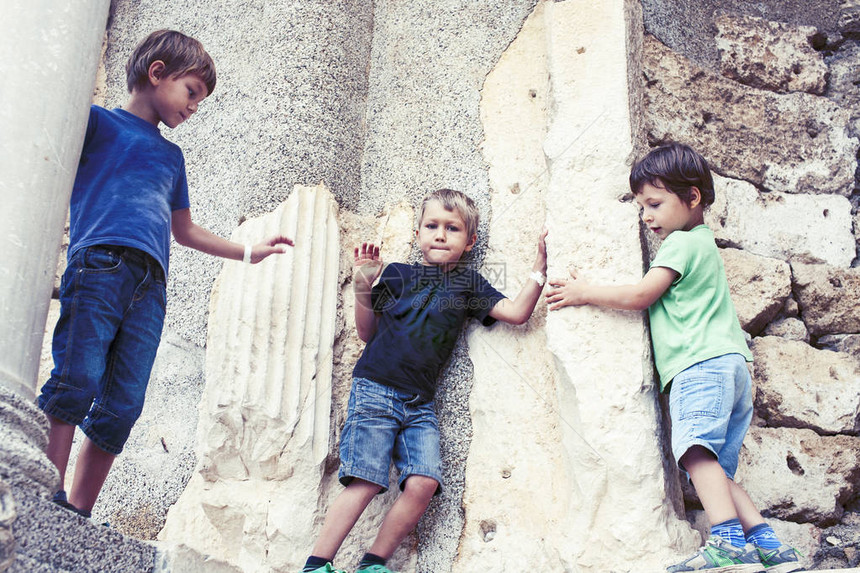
x=189 y=234
x=519 y=310
x=367 y=266
x=639 y=296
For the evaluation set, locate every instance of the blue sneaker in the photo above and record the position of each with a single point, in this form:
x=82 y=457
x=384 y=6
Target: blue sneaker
x=718 y=555
x=784 y=559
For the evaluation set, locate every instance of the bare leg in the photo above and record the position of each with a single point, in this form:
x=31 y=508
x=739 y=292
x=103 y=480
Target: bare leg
x=404 y=515
x=342 y=516
x=711 y=484
x=747 y=512
x=60 y=437
x=91 y=470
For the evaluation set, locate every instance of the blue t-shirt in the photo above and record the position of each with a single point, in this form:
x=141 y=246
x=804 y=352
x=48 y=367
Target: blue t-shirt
x=129 y=181
x=422 y=309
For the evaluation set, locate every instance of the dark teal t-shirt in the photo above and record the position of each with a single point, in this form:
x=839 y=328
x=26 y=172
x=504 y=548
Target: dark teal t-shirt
x=129 y=181
x=421 y=311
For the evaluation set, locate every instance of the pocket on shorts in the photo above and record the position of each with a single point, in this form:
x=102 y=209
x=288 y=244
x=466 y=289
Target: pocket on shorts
x=101 y=260
x=372 y=399
x=699 y=395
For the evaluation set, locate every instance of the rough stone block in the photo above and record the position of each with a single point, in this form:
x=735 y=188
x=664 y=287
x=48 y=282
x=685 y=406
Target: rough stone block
x=829 y=298
x=820 y=229
x=792 y=143
x=769 y=55
x=799 y=386
x=759 y=287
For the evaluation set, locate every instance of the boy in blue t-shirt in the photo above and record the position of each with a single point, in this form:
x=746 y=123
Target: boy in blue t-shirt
x=130 y=192
x=700 y=353
x=410 y=320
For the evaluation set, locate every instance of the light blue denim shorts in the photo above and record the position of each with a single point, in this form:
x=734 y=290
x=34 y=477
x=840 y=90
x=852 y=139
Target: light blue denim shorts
x=710 y=404
x=385 y=425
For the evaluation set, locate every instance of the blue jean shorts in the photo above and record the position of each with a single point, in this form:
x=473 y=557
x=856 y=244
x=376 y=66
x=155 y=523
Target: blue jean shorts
x=385 y=425
x=710 y=404
x=112 y=304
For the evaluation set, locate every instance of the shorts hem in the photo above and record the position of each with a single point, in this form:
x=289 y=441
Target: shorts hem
x=51 y=409
x=345 y=477
x=685 y=447
x=101 y=443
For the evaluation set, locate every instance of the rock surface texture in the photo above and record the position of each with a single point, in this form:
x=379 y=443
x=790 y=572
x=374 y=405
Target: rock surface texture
x=331 y=122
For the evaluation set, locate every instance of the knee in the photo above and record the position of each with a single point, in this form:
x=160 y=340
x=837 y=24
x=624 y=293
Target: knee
x=422 y=487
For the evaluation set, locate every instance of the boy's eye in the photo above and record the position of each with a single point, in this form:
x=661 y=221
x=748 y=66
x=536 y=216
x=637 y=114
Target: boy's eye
x=453 y=228
x=430 y=225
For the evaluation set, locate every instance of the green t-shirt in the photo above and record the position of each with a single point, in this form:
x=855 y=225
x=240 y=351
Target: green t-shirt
x=695 y=319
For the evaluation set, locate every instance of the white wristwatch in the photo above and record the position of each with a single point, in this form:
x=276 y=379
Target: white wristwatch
x=538 y=277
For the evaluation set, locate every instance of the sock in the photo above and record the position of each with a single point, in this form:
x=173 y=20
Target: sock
x=370 y=559
x=314 y=562
x=763 y=535
x=731 y=531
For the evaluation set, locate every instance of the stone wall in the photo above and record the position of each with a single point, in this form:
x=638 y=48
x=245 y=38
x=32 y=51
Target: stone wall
x=553 y=433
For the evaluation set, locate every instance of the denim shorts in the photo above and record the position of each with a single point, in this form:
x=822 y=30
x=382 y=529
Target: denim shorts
x=710 y=404
x=112 y=303
x=382 y=425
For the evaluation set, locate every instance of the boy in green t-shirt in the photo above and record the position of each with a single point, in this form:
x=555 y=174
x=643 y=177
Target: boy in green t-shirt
x=700 y=353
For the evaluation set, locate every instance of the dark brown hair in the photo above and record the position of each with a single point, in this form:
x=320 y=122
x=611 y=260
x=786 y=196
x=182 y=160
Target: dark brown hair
x=677 y=168
x=181 y=55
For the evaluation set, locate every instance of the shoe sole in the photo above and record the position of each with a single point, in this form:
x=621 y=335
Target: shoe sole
x=785 y=568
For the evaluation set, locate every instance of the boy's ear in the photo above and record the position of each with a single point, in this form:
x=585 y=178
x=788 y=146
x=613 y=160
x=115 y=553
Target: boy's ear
x=695 y=197
x=156 y=72
x=471 y=242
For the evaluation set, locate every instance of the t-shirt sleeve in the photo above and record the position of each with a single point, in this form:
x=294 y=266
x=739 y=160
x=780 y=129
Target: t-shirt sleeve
x=485 y=297
x=179 y=199
x=673 y=254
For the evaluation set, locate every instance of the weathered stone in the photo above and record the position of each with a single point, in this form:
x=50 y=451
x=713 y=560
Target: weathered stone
x=789 y=328
x=792 y=143
x=769 y=55
x=797 y=475
x=844 y=84
x=183 y=559
x=7 y=519
x=265 y=425
x=847 y=343
x=820 y=229
x=759 y=287
x=798 y=386
x=829 y=298
x=527 y=403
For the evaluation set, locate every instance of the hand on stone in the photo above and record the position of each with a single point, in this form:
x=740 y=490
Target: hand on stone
x=540 y=263
x=271 y=246
x=566 y=292
x=367 y=265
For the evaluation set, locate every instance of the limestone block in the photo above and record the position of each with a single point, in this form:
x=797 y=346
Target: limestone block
x=769 y=55
x=792 y=143
x=759 y=287
x=556 y=123
x=789 y=327
x=847 y=343
x=7 y=519
x=797 y=475
x=264 y=431
x=844 y=84
x=799 y=386
x=183 y=559
x=828 y=297
x=820 y=229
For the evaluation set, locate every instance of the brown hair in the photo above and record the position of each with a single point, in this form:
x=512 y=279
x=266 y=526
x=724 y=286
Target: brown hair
x=452 y=200
x=181 y=55
x=677 y=168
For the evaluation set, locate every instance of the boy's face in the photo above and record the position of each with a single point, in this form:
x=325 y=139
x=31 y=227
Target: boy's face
x=442 y=236
x=664 y=212
x=175 y=98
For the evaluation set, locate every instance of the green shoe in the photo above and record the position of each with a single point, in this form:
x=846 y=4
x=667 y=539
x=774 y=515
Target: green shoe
x=718 y=555
x=327 y=568
x=784 y=559
x=375 y=569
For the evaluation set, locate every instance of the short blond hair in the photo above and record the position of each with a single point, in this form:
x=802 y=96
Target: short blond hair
x=452 y=200
x=181 y=55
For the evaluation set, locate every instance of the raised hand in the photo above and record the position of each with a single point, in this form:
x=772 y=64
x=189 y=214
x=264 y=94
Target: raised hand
x=271 y=246
x=367 y=265
x=566 y=292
